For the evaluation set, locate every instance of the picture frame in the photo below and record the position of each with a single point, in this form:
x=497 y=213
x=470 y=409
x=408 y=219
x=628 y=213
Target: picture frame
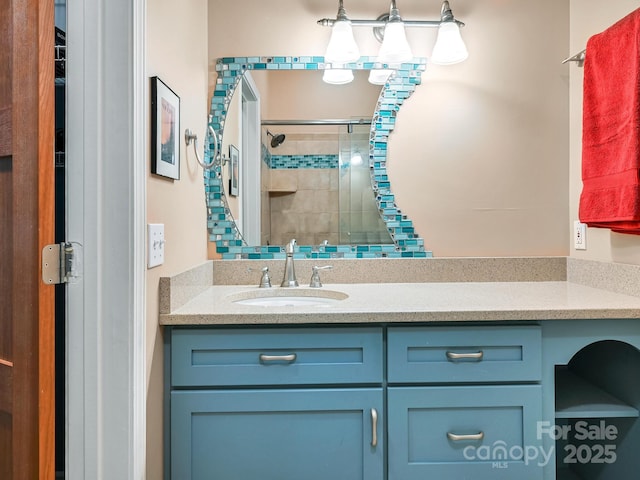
x=234 y=171
x=165 y=130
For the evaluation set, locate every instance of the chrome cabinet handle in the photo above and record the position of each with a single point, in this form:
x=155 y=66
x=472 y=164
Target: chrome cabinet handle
x=461 y=438
x=278 y=358
x=374 y=427
x=462 y=356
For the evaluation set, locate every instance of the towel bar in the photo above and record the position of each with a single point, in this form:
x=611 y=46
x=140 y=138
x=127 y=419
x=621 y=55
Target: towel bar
x=578 y=57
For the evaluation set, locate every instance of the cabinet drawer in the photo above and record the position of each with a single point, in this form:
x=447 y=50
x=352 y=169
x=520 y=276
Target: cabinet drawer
x=464 y=354
x=463 y=432
x=276 y=356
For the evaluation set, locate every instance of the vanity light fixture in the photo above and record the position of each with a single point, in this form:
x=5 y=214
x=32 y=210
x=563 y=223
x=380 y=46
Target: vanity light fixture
x=449 y=47
x=390 y=30
x=342 y=47
x=395 y=47
x=337 y=76
x=379 y=76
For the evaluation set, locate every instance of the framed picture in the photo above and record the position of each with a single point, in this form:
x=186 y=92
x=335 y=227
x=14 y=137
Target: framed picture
x=165 y=130
x=234 y=170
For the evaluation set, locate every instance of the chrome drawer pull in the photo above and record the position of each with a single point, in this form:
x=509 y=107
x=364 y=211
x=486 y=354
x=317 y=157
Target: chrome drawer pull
x=464 y=356
x=461 y=438
x=278 y=358
x=374 y=427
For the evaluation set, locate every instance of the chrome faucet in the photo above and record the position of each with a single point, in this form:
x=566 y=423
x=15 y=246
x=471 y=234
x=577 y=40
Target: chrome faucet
x=289 y=279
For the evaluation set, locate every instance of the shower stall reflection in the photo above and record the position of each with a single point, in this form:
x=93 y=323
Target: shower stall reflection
x=317 y=187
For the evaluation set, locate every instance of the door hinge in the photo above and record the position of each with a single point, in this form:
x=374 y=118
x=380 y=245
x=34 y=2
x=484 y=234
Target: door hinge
x=61 y=263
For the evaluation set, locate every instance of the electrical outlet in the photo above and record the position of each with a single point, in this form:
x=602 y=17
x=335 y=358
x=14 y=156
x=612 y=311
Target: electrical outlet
x=155 y=244
x=579 y=235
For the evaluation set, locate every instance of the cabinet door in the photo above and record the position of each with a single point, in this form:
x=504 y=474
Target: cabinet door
x=460 y=433
x=310 y=434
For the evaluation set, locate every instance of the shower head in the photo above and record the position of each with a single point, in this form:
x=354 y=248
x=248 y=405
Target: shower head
x=277 y=139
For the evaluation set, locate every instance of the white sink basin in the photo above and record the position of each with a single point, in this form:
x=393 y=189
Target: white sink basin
x=289 y=297
x=287 y=301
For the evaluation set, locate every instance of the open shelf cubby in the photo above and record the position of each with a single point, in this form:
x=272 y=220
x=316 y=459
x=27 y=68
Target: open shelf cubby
x=597 y=401
x=578 y=398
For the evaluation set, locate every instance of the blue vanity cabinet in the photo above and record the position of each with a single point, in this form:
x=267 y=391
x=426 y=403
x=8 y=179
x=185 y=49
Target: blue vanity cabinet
x=403 y=402
x=276 y=403
x=464 y=403
x=366 y=402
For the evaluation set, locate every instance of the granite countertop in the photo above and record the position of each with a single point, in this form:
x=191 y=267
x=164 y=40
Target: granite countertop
x=412 y=302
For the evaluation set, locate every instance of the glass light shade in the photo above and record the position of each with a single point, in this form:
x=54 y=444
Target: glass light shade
x=379 y=77
x=342 y=47
x=449 y=47
x=337 y=76
x=395 y=48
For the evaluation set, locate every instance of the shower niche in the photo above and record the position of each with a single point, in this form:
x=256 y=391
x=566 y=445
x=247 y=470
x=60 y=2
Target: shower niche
x=596 y=413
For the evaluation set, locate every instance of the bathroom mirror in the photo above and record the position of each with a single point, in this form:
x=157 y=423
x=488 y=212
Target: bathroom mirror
x=290 y=151
x=314 y=182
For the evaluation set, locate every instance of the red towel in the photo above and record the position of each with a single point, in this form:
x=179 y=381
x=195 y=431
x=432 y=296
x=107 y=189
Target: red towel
x=611 y=128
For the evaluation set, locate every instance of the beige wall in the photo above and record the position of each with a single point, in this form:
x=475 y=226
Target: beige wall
x=177 y=53
x=589 y=17
x=301 y=94
x=479 y=156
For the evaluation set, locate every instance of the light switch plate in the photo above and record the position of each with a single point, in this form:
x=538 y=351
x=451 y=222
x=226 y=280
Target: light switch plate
x=155 y=244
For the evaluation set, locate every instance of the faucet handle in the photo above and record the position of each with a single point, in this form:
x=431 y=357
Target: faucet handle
x=265 y=281
x=315 y=275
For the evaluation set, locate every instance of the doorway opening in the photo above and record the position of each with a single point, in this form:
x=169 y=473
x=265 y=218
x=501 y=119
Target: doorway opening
x=60 y=231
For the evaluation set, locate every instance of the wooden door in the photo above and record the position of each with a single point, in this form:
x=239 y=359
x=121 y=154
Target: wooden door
x=26 y=225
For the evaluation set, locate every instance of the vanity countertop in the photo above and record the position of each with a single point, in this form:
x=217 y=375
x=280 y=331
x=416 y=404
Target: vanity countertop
x=414 y=302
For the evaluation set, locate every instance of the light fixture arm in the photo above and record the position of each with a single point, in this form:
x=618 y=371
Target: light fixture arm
x=342 y=13
x=394 y=13
x=445 y=16
x=329 y=22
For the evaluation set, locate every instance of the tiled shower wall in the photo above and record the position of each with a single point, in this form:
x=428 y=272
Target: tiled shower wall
x=303 y=190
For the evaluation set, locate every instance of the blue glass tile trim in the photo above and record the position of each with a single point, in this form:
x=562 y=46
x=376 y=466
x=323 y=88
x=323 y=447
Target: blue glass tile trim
x=220 y=223
x=303 y=161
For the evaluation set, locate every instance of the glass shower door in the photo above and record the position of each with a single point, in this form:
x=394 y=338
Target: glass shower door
x=360 y=221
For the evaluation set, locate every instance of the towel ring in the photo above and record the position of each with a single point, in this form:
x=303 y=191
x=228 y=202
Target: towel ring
x=189 y=135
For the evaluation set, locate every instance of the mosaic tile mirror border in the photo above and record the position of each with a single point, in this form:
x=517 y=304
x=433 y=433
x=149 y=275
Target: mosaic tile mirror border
x=221 y=226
